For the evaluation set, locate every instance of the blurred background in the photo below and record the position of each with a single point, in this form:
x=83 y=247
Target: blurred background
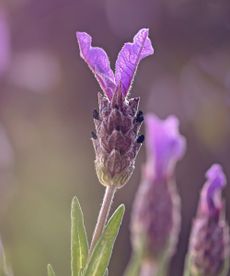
x=47 y=95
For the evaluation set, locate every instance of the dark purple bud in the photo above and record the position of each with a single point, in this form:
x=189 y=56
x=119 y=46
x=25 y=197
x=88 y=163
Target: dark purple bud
x=209 y=247
x=95 y=114
x=140 y=139
x=155 y=222
x=117 y=134
x=140 y=117
x=93 y=134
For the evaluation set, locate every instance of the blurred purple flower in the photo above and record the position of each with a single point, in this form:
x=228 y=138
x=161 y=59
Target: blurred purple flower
x=165 y=146
x=46 y=73
x=4 y=42
x=211 y=202
x=126 y=65
x=155 y=222
x=209 y=248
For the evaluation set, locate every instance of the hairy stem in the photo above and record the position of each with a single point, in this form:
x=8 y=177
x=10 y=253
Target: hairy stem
x=103 y=215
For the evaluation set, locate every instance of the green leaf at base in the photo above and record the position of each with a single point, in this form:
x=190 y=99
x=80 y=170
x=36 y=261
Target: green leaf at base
x=99 y=260
x=79 y=241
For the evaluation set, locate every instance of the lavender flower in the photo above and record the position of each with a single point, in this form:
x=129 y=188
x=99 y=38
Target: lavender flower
x=165 y=146
x=117 y=123
x=209 y=242
x=156 y=216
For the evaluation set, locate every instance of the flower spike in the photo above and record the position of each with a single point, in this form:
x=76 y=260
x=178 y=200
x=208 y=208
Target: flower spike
x=209 y=247
x=155 y=222
x=116 y=140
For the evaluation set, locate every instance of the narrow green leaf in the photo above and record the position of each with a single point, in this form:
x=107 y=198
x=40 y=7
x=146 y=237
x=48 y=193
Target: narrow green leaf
x=50 y=270
x=79 y=241
x=99 y=260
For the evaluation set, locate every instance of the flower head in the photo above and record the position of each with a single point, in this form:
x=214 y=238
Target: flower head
x=155 y=220
x=165 y=145
x=117 y=122
x=209 y=242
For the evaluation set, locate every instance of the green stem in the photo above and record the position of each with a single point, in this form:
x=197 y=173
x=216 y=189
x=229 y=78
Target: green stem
x=103 y=215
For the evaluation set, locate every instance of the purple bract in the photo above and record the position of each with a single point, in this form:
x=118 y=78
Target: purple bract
x=165 y=145
x=126 y=65
x=209 y=246
x=211 y=193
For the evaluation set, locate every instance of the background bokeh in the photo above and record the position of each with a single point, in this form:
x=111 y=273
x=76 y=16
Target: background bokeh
x=47 y=95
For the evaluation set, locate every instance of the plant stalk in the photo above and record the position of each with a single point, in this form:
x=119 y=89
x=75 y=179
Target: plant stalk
x=103 y=215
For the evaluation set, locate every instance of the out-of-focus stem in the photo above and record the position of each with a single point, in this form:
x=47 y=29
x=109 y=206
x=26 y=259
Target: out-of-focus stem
x=148 y=269
x=103 y=215
x=151 y=268
x=133 y=268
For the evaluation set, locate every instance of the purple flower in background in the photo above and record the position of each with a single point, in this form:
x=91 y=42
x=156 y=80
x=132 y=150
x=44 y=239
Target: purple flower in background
x=4 y=42
x=211 y=202
x=209 y=242
x=155 y=222
x=165 y=146
x=117 y=123
x=126 y=65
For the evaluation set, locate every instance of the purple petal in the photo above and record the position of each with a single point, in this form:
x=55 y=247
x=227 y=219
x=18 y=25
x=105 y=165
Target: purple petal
x=129 y=57
x=211 y=192
x=98 y=62
x=165 y=145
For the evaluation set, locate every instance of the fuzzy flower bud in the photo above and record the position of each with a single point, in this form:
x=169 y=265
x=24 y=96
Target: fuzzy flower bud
x=209 y=242
x=117 y=123
x=155 y=220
